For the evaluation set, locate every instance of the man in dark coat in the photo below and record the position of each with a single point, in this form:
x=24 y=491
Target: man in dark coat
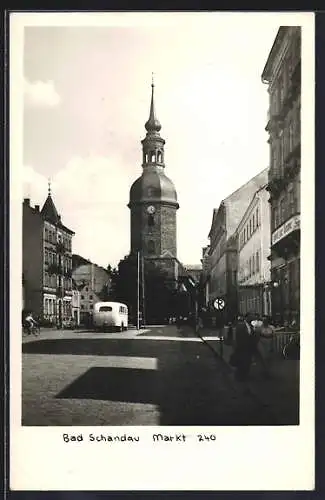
x=244 y=346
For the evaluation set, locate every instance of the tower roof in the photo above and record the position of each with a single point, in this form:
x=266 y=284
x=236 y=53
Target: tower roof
x=49 y=211
x=153 y=124
x=153 y=186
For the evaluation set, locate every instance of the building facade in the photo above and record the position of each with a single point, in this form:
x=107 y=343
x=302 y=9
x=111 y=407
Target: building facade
x=153 y=203
x=282 y=74
x=93 y=285
x=75 y=304
x=88 y=298
x=47 y=263
x=92 y=276
x=221 y=281
x=194 y=271
x=254 y=267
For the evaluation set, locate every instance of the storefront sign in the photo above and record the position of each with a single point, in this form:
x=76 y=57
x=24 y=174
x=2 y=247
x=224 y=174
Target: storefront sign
x=288 y=227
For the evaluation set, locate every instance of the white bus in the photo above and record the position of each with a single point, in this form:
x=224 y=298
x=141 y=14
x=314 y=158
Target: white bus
x=110 y=315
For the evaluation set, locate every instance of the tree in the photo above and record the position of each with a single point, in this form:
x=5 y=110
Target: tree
x=158 y=289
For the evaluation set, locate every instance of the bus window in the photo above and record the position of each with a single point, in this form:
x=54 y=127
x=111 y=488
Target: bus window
x=104 y=308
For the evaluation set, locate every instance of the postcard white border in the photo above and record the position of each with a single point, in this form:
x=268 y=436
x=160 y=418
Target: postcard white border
x=242 y=458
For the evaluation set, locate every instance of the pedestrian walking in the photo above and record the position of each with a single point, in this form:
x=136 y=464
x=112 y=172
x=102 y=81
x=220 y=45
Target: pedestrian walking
x=256 y=323
x=266 y=345
x=241 y=358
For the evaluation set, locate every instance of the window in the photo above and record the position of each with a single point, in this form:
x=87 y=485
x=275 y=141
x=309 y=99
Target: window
x=250 y=267
x=151 y=246
x=280 y=155
x=91 y=306
x=105 y=309
x=275 y=217
x=282 y=211
x=291 y=200
x=257 y=262
x=253 y=222
x=151 y=220
x=257 y=217
x=82 y=306
x=253 y=264
x=250 y=227
x=86 y=289
x=90 y=297
x=281 y=88
x=82 y=297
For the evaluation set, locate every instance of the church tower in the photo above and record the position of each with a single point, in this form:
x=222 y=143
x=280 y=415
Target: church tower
x=153 y=201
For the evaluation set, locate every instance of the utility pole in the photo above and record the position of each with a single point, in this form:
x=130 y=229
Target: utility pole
x=138 y=290
x=143 y=290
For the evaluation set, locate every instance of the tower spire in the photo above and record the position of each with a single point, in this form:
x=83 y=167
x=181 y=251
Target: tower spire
x=152 y=124
x=49 y=187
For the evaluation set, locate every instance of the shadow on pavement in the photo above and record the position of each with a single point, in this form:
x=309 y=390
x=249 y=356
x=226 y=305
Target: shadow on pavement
x=191 y=385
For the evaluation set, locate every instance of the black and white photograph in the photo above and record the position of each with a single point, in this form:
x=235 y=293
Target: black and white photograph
x=159 y=181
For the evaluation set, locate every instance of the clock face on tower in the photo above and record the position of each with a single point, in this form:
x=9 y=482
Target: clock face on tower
x=151 y=210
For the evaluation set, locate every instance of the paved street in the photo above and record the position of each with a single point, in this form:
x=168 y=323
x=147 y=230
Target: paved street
x=152 y=377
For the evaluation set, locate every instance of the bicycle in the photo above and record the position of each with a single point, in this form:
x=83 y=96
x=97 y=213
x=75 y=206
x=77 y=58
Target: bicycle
x=32 y=330
x=292 y=349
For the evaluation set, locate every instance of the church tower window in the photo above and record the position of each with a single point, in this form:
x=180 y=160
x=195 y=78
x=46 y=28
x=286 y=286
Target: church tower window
x=151 y=246
x=151 y=220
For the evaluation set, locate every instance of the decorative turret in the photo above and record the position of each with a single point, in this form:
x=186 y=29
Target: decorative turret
x=153 y=144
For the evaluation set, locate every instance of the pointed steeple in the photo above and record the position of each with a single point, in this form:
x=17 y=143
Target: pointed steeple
x=49 y=211
x=153 y=124
x=153 y=143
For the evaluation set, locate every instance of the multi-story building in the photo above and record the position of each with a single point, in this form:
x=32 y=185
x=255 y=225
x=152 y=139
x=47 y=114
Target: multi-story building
x=47 y=262
x=221 y=281
x=254 y=267
x=282 y=73
x=88 y=299
x=204 y=282
x=93 y=283
x=75 y=303
x=92 y=276
x=194 y=271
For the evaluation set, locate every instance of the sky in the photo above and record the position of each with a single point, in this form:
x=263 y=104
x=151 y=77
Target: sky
x=86 y=100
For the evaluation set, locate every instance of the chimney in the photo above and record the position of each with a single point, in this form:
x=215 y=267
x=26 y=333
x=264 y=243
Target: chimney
x=27 y=201
x=37 y=208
